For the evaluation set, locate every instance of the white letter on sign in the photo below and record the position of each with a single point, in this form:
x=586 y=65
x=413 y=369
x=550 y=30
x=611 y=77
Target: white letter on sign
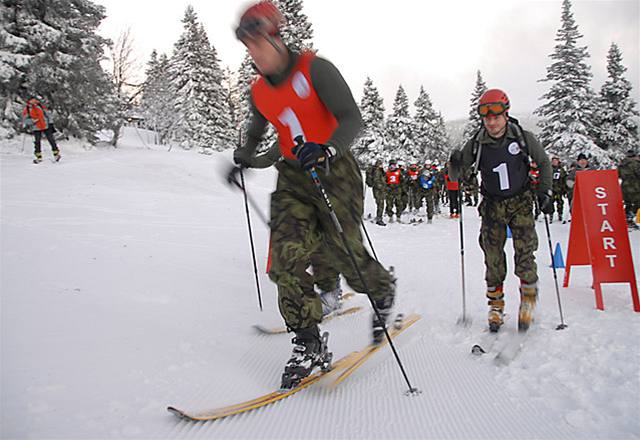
x=603 y=206
x=606 y=226
x=601 y=193
x=611 y=258
x=609 y=242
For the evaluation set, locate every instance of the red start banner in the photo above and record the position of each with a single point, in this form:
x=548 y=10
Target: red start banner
x=598 y=235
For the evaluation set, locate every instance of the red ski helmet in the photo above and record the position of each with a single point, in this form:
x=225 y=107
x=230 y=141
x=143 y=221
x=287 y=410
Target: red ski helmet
x=493 y=101
x=260 y=19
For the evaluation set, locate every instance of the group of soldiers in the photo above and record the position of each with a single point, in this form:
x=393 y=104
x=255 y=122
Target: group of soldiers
x=399 y=189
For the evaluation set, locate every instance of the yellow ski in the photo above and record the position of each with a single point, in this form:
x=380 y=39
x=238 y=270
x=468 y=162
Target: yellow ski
x=261 y=401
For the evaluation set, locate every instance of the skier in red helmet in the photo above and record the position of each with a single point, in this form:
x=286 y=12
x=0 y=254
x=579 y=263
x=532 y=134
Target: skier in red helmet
x=502 y=151
x=311 y=106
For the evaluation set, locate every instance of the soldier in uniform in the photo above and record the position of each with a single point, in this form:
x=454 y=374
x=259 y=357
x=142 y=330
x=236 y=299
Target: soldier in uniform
x=376 y=180
x=404 y=187
x=559 y=186
x=313 y=111
x=394 y=190
x=629 y=171
x=582 y=164
x=428 y=190
x=414 y=188
x=505 y=151
x=439 y=185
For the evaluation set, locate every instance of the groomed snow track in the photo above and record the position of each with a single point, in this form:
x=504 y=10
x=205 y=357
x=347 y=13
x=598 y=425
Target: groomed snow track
x=460 y=397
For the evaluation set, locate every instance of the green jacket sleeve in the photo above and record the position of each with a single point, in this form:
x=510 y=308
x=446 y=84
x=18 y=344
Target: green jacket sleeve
x=257 y=127
x=267 y=159
x=336 y=95
x=468 y=159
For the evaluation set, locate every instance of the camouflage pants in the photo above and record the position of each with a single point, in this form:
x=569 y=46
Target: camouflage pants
x=415 y=197
x=558 y=201
x=379 y=195
x=325 y=276
x=301 y=226
x=515 y=212
x=394 y=198
x=430 y=196
x=404 y=200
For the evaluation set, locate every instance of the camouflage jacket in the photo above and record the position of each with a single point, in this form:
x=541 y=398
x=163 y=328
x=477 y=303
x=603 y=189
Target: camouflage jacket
x=629 y=172
x=375 y=178
x=559 y=180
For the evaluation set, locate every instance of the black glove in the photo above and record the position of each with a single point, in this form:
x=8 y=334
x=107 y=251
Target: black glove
x=545 y=202
x=232 y=175
x=312 y=155
x=456 y=158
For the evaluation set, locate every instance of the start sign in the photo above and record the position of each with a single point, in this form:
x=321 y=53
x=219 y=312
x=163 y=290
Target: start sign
x=599 y=235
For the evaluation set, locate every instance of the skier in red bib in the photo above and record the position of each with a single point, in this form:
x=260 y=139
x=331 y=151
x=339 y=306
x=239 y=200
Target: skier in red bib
x=308 y=102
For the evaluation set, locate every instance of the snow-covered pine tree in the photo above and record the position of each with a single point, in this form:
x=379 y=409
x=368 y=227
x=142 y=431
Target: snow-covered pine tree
x=424 y=121
x=616 y=110
x=474 y=122
x=399 y=129
x=157 y=101
x=566 y=118
x=202 y=109
x=297 y=32
x=441 y=145
x=369 y=146
x=246 y=75
x=233 y=97
x=52 y=49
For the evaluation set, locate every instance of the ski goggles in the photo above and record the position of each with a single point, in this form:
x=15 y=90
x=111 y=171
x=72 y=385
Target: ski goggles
x=252 y=29
x=493 y=108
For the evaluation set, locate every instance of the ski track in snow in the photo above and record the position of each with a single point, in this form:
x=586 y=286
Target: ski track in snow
x=127 y=286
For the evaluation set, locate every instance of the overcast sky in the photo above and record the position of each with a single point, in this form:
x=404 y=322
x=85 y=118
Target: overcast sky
x=439 y=45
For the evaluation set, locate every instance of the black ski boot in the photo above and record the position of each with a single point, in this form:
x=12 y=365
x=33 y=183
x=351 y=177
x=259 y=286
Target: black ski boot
x=379 y=222
x=384 y=306
x=309 y=351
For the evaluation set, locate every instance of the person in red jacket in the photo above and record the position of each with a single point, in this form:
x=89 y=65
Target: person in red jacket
x=453 y=188
x=36 y=120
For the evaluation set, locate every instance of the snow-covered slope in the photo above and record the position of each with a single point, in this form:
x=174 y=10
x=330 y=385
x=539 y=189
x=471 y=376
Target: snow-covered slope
x=127 y=285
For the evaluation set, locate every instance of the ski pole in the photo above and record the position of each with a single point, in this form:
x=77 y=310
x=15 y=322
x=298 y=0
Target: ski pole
x=463 y=320
x=562 y=325
x=247 y=197
x=253 y=250
x=336 y=222
x=369 y=240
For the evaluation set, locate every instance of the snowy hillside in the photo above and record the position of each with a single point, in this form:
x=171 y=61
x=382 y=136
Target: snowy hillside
x=127 y=286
